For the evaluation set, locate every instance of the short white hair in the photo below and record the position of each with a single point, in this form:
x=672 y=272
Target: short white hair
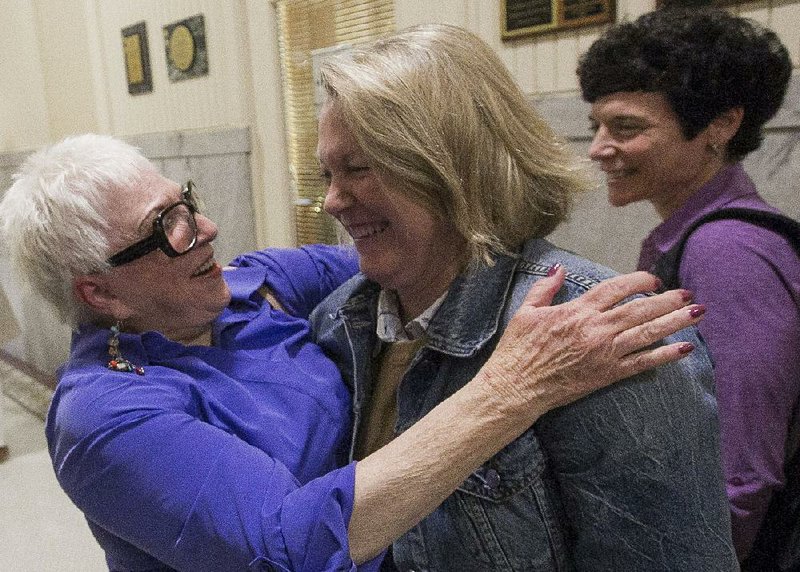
x=54 y=217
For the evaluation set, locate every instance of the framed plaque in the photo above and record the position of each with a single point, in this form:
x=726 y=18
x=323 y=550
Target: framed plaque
x=697 y=3
x=137 y=59
x=185 y=43
x=531 y=17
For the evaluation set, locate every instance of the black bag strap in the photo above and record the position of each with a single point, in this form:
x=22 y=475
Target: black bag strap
x=777 y=546
x=666 y=268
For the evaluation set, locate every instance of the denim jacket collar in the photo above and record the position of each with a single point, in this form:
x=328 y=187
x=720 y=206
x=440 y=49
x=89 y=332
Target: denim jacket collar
x=456 y=329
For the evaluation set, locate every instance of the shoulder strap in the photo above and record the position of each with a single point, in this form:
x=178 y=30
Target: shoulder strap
x=667 y=266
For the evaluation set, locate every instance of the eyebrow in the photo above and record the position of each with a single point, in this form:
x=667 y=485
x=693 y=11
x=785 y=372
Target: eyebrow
x=150 y=217
x=345 y=158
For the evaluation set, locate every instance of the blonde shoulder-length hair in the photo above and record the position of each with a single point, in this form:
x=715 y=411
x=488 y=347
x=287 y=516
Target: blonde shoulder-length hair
x=440 y=117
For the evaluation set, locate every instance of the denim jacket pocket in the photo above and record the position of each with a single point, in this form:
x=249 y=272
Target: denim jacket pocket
x=508 y=511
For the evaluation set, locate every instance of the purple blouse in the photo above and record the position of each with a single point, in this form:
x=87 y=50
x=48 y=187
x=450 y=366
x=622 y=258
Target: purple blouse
x=749 y=279
x=217 y=458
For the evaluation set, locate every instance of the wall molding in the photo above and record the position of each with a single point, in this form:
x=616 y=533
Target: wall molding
x=194 y=143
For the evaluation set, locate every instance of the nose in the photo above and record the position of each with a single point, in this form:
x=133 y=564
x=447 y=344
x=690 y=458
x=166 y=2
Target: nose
x=206 y=228
x=337 y=198
x=602 y=146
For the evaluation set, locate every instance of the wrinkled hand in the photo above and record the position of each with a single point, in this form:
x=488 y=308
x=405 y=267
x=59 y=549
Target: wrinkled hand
x=553 y=355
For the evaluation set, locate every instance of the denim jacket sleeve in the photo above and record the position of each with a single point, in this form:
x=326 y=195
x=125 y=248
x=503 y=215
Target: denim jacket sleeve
x=639 y=474
x=637 y=466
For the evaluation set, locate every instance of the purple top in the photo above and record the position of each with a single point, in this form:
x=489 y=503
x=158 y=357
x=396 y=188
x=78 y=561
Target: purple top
x=749 y=279
x=217 y=458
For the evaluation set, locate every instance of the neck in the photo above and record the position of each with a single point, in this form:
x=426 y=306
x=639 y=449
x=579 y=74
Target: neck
x=200 y=337
x=414 y=301
x=667 y=205
x=416 y=295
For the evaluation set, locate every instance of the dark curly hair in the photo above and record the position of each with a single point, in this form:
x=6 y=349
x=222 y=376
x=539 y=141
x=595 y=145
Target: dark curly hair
x=705 y=61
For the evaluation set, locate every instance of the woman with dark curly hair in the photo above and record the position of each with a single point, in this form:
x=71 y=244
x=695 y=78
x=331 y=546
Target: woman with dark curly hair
x=679 y=98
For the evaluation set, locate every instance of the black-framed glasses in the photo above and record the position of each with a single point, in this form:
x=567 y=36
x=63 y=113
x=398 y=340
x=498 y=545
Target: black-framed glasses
x=174 y=230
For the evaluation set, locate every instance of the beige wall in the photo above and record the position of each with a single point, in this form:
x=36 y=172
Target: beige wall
x=546 y=64
x=23 y=112
x=62 y=72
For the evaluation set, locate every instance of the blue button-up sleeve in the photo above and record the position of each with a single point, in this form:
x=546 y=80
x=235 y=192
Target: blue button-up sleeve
x=134 y=454
x=302 y=277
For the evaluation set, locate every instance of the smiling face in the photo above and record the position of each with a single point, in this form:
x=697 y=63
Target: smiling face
x=180 y=296
x=401 y=245
x=639 y=145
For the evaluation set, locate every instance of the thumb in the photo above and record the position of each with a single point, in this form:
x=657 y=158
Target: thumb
x=544 y=290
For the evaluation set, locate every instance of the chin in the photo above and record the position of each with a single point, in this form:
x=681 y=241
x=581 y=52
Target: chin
x=222 y=297
x=377 y=273
x=616 y=199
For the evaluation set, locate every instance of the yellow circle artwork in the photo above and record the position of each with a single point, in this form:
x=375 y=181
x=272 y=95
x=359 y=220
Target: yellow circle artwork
x=181 y=48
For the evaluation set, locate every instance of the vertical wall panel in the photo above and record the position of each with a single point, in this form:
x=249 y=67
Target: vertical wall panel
x=64 y=67
x=23 y=111
x=785 y=20
x=410 y=12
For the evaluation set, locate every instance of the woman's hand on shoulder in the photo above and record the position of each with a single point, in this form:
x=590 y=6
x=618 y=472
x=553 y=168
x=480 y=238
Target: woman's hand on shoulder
x=553 y=355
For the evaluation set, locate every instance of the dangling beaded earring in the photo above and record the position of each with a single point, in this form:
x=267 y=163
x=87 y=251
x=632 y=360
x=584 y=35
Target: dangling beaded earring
x=117 y=362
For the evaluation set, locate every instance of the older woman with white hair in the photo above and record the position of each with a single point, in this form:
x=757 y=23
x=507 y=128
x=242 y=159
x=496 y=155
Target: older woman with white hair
x=198 y=427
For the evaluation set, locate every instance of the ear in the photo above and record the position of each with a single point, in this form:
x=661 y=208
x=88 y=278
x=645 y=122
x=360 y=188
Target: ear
x=725 y=125
x=95 y=292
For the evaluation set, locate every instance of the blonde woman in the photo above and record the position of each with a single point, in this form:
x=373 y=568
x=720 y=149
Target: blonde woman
x=447 y=181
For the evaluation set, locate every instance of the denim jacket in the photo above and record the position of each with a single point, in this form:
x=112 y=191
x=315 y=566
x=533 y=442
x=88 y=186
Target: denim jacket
x=626 y=479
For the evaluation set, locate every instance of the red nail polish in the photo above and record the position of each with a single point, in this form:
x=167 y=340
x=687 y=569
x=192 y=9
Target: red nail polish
x=553 y=269
x=659 y=284
x=685 y=348
x=697 y=311
x=686 y=295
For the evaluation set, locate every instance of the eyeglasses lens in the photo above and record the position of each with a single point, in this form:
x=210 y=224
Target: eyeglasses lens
x=180 y=228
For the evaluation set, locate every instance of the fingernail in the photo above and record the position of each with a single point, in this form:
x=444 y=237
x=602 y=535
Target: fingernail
x=686 y=295
x=659 y=284
x=697 y=311
x=553 y=269
x=685 y=348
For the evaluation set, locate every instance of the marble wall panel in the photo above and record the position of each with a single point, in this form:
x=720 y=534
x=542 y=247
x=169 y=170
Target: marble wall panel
x=218 y=162
x=224 y=184
x=775 y=169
